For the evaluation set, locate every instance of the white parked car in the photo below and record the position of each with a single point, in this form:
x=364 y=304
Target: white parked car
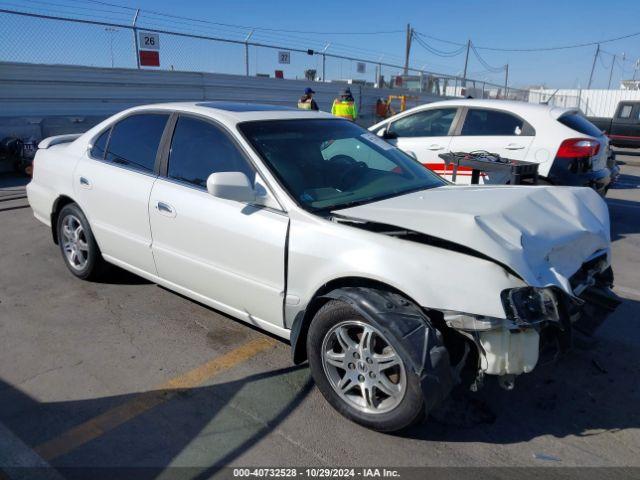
x=390 y=281
x=569 y=149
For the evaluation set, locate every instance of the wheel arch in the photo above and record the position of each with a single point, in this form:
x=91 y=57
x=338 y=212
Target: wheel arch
x=300 y=326
x=417 y=340
x=57 y=206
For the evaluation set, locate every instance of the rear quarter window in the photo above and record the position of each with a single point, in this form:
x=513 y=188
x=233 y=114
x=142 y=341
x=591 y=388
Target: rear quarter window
x=580 y=124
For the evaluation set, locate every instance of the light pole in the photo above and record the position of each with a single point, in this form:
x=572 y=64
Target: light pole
x=111 y=31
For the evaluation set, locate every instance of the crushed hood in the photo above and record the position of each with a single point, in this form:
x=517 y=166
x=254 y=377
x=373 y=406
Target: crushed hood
x=544 y=234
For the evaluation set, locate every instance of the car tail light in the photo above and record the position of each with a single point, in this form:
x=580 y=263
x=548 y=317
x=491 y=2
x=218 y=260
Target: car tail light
x=578 y=148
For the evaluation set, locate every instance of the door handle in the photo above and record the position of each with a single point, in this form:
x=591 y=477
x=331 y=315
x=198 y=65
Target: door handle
x=435 y=147
x=84 y=182
x=514 y=146
x=165 y=209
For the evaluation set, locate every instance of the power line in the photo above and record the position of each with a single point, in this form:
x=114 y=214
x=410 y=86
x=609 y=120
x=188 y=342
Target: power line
x=436 y=51
x=74 y=7
x=246 y=27
x=484 y=63
x=536 y=49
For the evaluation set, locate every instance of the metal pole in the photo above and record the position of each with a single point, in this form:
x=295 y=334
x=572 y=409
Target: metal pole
x=135 y=37
x=246 y=53
x=408 y=48
x=593 y=66
x=110 y=30
x=466 y=62
x=379 y=79
x=579 y=98
x=324 y=62
x=613 y=62
x=324 y=67
x=506 y=79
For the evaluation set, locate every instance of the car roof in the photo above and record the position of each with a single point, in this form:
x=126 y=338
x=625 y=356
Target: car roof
x=236 y=112
x=515 y=106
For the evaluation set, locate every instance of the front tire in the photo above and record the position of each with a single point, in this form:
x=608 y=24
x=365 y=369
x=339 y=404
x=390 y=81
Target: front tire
x=78 y=246
x=360 y=372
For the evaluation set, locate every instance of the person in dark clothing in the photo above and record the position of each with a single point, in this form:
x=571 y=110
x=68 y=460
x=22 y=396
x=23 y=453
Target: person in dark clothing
x=307 y=102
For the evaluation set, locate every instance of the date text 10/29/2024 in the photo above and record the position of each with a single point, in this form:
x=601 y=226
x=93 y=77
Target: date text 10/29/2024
x=316 y=472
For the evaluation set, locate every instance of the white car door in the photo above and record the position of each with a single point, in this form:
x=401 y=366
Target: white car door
x=424 y=135
x=113 y=183
x=230 y=253
x=495 y=131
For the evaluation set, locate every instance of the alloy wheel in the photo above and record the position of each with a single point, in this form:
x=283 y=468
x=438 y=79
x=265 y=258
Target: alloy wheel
x=363 y=368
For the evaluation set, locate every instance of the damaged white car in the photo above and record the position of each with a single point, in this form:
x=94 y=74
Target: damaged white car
x=386 y=278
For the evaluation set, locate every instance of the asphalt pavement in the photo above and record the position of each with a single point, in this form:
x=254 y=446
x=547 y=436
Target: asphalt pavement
x=127 y=374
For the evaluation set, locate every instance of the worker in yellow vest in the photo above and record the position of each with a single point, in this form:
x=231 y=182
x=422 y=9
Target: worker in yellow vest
x=307 y=102
x=345 y=106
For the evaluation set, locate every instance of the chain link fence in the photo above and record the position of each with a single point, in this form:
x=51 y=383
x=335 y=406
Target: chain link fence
x=40 y=38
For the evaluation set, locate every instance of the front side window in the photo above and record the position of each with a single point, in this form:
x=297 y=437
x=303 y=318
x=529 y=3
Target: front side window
x=100 y=145
x=479 y=122
x=134 y=141
x=332 y=164
x=199 y=148
x=428 y=123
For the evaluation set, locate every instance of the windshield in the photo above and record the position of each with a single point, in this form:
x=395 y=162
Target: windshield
x=331 y=164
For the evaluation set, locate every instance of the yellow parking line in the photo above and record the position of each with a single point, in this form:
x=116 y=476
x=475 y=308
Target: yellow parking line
x=91 y=429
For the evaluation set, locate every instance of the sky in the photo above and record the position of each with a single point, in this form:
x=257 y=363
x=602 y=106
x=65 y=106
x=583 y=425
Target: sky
x=502 y=24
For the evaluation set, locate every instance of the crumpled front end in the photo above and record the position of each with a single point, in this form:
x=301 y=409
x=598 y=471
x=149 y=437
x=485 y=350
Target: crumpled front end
x=541 y=323
x=555 y=240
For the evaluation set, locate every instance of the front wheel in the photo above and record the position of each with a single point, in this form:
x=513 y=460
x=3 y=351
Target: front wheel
x=359 y=371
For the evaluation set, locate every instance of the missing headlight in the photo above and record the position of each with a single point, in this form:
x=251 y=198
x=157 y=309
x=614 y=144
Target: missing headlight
x=530 y=306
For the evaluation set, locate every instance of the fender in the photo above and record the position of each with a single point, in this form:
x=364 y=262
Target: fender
x=419 y=343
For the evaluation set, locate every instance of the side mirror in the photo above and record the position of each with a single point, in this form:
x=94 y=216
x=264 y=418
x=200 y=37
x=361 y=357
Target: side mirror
x=231 y=186
x=388 y=135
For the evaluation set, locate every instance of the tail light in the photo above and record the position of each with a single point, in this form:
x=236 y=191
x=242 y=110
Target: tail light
x=578 y=148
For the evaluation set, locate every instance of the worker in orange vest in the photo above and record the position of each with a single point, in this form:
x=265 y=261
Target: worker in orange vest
x=345 y=106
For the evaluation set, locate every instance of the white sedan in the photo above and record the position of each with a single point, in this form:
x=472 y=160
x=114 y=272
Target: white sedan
x=391 y=282
x=569 y=149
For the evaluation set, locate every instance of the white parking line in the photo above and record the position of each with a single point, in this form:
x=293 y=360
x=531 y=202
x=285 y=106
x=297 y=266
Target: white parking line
x=629 y=291
x=19 y=461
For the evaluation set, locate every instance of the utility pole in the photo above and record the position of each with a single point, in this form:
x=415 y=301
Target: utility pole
x=246 y=53
x=466 y=62
x=408 y=48
x=593 y=67
x=635 y=69
x=506 y=79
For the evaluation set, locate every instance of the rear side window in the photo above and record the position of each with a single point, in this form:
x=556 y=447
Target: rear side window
x=480 y=122
x=100 y=145
x=134 y=141
x=428 y=123
x=580 y=124
x=199 y=149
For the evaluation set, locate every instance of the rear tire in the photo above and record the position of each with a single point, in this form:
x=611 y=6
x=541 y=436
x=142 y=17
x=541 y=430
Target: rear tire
x=359 y=370
x=78 y=246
